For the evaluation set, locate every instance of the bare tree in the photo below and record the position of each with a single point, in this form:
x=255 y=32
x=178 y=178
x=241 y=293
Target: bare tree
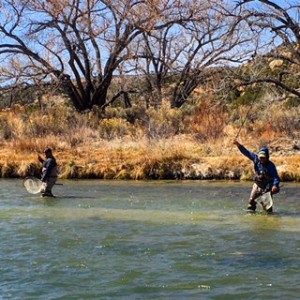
x=67 y=40
x=80 y=43
x=189 y=53
x=154 y=61
x=278 y=25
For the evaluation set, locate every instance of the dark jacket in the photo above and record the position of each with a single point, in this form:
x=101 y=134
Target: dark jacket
x=266 y=174
x=49 y=168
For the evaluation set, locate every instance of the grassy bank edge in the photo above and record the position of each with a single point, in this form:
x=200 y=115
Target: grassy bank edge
x=146 y=167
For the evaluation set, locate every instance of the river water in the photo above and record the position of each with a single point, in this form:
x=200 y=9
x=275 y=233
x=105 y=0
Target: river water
x=147 y=240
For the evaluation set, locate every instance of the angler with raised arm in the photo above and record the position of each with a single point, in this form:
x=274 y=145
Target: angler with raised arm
x=266 y=179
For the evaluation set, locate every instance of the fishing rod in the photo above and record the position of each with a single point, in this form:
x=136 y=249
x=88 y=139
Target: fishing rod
x=246 y=117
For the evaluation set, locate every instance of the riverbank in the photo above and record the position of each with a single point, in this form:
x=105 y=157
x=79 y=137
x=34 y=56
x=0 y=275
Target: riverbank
x=138 y=144
x=178 y=158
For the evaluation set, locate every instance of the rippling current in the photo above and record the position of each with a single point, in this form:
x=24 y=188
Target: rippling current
x=147 y=240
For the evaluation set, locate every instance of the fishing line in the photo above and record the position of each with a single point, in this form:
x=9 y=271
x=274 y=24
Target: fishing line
x=245 y=119
x=239 y=131
x=33 y=132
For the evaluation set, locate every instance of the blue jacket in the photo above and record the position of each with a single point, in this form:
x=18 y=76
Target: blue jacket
x=266 y=174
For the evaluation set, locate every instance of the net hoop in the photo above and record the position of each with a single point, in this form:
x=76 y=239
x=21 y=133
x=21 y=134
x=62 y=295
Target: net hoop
x=266 y=201
x=33 y=185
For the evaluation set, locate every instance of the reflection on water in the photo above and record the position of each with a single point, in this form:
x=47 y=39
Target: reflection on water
x=147 y=240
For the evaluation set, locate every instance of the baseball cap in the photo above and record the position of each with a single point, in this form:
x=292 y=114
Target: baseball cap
x=262 y=154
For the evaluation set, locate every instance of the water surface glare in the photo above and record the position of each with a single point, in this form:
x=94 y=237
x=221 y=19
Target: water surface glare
x=147 y=240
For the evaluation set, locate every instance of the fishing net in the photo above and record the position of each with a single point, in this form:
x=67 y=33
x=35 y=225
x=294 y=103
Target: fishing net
x=266 y=200
x=33 y=185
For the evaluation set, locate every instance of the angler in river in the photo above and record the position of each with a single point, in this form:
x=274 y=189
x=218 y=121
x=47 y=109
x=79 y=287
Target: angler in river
x=266 y=179
x=49 y=173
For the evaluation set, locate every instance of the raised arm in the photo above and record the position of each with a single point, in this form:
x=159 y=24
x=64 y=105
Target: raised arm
x=252 y=156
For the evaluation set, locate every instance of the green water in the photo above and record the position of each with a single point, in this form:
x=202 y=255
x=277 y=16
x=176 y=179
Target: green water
x=147 y=240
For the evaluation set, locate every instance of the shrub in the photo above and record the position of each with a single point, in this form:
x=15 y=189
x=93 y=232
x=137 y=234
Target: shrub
x=287 y=122
x=292 y=102
x=209 y=120
x=6 y=131
x=164 y=122
x=249 y=96
x=113 y=128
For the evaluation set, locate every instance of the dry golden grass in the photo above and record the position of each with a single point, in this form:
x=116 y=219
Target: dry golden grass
x=87 y=147
x=176 y=158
